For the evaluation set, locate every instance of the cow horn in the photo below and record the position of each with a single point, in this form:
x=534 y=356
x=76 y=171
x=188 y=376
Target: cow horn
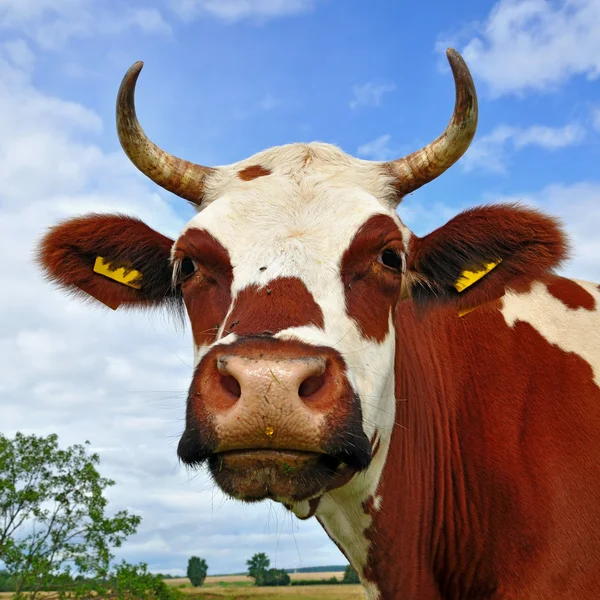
x=426 y=164
x=183 y=178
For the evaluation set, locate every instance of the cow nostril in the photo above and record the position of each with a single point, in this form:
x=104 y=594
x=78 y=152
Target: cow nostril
x=232 y=385
x=311 y=385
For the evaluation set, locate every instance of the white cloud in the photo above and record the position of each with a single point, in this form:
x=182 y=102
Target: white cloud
x=369 y=94
x=118 y=379
x=237 y=10
x=51 y=23
x=491 y=152
x=378 y=149
x=535 y=44
x=550 y=138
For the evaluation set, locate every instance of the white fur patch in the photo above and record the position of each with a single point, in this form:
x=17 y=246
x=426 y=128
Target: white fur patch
x=572 y=330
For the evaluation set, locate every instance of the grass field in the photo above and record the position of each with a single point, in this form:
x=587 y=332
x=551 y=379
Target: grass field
x=238 y=587
x=234 y=587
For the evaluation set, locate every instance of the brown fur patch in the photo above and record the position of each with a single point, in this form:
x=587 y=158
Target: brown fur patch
x=570 y=293
x=371 y=289
x=282 y=303
x=253 y=172
x=206 y=293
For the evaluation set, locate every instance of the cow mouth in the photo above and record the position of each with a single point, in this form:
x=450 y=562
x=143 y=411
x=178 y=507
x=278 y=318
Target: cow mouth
x=255 y=474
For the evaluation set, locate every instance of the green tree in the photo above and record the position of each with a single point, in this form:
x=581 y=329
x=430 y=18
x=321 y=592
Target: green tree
x=350 y=575
x=272 y=577
x=53 y=521
x=196 y=571
x=257 y=566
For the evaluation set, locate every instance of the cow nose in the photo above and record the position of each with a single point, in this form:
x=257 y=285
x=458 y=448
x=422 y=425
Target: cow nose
x=301 y=378
x=273 y=395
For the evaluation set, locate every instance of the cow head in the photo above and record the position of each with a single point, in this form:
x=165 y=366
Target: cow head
x=290 y=273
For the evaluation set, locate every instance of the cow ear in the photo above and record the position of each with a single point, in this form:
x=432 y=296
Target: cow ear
x=480 y=253
x=114 y=258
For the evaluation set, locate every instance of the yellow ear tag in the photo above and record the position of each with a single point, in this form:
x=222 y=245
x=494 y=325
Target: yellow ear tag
x=468 y=278
x=129 y=277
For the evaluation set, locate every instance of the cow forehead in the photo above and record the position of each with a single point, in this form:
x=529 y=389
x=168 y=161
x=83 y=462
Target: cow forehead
x=292 y=211
x=303 y=163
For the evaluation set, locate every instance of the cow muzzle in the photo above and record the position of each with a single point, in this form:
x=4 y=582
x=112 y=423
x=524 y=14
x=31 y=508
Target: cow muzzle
x=274 y=419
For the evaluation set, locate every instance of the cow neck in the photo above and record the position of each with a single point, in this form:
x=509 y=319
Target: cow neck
x=427 y=540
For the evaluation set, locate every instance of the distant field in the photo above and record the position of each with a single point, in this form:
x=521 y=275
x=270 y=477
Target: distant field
x=238 y=587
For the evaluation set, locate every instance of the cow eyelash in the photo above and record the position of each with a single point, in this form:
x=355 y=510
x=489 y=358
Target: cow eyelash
x=392 y=259
x=183 y=269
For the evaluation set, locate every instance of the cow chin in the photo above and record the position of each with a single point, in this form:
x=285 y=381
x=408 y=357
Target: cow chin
x=283 y=475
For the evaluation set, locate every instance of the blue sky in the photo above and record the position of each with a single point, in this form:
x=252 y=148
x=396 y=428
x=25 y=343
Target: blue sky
x=224 y=79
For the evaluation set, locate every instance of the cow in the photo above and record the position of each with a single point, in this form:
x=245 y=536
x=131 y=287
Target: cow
x=433 y=401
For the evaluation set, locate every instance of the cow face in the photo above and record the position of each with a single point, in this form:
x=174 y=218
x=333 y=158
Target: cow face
x=290 y=273
x=289 y=280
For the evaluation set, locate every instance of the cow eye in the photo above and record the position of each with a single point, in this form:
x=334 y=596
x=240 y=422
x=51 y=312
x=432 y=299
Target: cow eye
x=391 y=259
x=187 y=267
